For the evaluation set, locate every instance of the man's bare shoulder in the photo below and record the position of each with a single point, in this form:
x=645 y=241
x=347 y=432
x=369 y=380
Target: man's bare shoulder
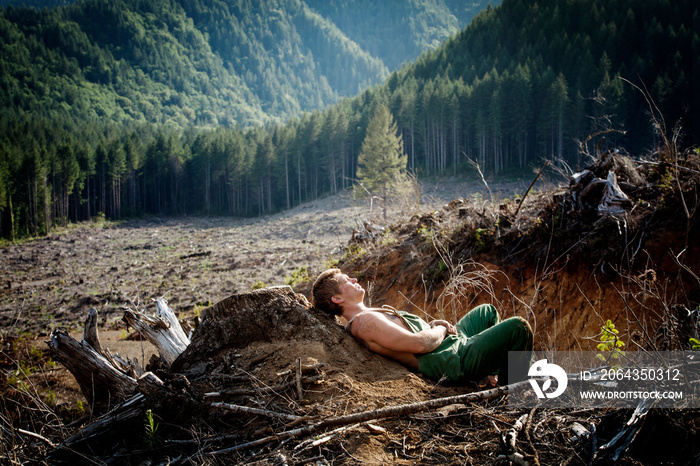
x=367 y=321
x=373 y=321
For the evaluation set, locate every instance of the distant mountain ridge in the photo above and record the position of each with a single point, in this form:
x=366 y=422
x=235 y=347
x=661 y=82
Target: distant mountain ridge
x=208 y=63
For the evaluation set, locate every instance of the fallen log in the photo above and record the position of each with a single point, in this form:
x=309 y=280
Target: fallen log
x=163 y=330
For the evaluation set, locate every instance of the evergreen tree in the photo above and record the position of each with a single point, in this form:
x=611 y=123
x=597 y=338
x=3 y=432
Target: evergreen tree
x=382 y=160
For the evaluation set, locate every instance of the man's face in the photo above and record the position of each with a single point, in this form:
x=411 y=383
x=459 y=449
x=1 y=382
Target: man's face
x=349 y=291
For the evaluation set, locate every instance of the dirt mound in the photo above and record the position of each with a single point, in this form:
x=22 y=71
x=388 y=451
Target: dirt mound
x=265 y=333
x=276 y=326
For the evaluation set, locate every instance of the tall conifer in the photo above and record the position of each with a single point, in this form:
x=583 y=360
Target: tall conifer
x=382 y=160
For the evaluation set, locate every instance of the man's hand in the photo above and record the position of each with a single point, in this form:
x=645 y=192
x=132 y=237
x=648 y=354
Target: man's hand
x=451 y=329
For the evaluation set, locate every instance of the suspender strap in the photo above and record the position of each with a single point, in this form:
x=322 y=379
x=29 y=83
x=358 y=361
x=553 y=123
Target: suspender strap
x=385 y=309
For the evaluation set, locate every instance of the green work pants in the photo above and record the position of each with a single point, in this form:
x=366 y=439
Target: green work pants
x=480 y=347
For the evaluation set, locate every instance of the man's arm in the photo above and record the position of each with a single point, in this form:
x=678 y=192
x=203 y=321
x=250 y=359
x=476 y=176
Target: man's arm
x=388 y=338
x=451 y=329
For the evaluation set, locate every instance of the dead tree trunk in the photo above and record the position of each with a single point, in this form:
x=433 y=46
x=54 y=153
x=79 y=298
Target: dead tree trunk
x=105 y=379
x=163 y=330
x=101 y=382
x=91 y=336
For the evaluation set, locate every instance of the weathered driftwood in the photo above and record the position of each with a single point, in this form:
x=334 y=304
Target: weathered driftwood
x=102 y=382
x=163 y=330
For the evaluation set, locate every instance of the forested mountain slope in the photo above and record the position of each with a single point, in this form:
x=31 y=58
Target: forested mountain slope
x=397 y=32
x=524 y=82
x=531 y=80
x=129 y=61
x=194 y=62
x=35 y=3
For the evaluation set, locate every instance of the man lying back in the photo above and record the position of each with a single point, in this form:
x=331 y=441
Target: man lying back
x=473 y=349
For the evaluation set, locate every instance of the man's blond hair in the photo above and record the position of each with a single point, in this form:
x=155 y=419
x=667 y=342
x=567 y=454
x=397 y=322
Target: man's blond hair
x=324 y=288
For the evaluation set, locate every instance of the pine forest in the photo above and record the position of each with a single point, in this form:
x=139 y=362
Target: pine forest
x=184 y=107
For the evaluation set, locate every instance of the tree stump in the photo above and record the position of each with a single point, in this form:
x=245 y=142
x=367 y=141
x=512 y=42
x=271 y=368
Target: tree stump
x=101 y=382
x=163 y=330
x=267 y=315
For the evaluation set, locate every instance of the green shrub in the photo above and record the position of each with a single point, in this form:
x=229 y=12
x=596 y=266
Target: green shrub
x=354 y=251
x=610 y=344
x=297 y=276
